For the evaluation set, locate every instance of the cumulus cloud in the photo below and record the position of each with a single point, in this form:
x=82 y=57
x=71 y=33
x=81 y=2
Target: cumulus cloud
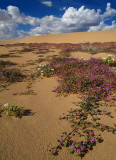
x=4 y=15
x=81 y=16
x=102 y=26
x=9 y=20
x=18 y=17
x=73 y=20
x=7 y=30
x=49 y=24
x=110 y=12
x=47 y=3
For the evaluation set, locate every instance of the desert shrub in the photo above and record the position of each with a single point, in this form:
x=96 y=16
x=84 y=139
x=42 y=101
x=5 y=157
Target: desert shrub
x=11 y=75
x=65 y=54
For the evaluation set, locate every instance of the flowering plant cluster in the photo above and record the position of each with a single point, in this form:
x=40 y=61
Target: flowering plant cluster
x=91 y=76
x=45 y=70
x=13 y=110
x=95 y=81
x=9 y=75
x=82 y=139
x=109 y=60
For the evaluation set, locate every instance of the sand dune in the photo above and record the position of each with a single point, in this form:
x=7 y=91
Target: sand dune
x=77 y=37
x=31 y=137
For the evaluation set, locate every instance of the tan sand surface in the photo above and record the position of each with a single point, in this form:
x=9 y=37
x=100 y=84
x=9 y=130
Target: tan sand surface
x=31 y=137
x=77 y=37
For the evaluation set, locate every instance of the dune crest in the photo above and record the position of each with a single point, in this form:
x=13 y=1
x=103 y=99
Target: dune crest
x=75 y=37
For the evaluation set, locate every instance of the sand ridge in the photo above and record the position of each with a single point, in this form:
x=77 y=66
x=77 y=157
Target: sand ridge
x=76 y=37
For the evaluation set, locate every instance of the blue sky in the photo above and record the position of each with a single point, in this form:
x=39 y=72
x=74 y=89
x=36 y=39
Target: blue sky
x=20 y=18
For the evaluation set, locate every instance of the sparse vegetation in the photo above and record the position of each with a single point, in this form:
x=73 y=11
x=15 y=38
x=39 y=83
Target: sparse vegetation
x=13 y=110
x=94 y=81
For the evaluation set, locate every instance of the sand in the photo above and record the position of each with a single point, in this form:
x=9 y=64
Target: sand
x=78 y=37
x=31 y=137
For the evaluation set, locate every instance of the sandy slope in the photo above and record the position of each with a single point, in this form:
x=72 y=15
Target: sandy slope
x=31 y=137
x=78 y=37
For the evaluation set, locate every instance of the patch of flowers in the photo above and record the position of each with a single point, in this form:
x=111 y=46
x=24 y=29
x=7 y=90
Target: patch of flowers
x=109 y=60
x=91 y=76
x=82 y=58
x=82 y=138
x=95 y=81
x=10 y=75
x=46 y=70
x=13 y=110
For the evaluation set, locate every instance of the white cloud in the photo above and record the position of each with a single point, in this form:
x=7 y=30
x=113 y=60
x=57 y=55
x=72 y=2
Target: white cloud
x=81 y=16
x=109 y=11
x=47 y=3
x=102 y=26
x=18 y=17
x=73 y=20
x=9 y=20
x=49 y=24
x=8 y=30
x=4 y=15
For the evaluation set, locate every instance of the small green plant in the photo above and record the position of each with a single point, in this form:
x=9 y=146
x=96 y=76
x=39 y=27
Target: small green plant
x=109 y=60
x=82 y=58
x=13 y=110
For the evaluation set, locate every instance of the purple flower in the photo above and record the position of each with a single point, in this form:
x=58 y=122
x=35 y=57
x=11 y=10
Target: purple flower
x=60 y=139
x=77 y=131
x=82 y=148
x=73 y=146
x=78 y=150
x=84 y=142
x=78 y=114
x=93 y=139
x=103 y=111
x=92 y=133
